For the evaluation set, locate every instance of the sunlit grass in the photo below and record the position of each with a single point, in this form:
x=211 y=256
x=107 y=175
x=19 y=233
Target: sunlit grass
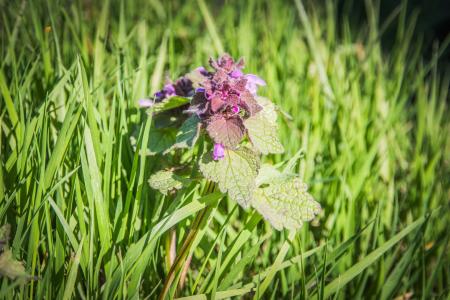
x=369 y=124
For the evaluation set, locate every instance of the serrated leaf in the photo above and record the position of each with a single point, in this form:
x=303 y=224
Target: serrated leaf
x=169 y=103
x=226 y=131
x=262 y=130
x=10 y=267
x=268 y=174
x=235 y=173
x=286 y=204
x=251 y=104
x=166 y=181
x=188 y=133
x=263 y=134
x=269 y=109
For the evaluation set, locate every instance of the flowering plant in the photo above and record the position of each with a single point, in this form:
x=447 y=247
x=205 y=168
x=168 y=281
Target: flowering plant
x=240 y=126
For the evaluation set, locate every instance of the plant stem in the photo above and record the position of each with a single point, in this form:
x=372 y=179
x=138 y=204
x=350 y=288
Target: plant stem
x=185 y=249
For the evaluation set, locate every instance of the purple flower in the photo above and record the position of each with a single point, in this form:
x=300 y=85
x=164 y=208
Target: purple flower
x=159 y=94
x=236 y=73
x=252 y=83
x=223 y=99
x=145 y=102
x=183 y=87
x=169 y=90
x=202 y=71
x=219 y=151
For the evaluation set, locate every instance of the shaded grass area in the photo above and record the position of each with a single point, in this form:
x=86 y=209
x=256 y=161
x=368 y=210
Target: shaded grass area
x=369 y=127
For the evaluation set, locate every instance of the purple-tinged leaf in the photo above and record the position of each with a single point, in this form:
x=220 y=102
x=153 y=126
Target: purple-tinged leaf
x=217 y=103
x=226 y=131
x=249 y=102
x=240 y=85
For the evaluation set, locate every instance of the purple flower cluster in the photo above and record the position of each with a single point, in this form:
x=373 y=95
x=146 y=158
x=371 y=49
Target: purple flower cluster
x=222 y=98
x=182 y=87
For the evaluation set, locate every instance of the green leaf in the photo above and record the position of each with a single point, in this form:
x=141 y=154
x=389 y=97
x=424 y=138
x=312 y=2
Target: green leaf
x=241 y=264
x=235 y=173
x=10 y=267
x=159 y=141
x=71 y=279
x=286 y=203
x=188 y=134
x=166 y=181
x=269 y=109
x=369 y=259
x=394 y=280
x=169 y=103
x=71 y=120
x=272 y=270
x=167 y=119
x=268 y=174
x=262 y=129
x=13 y=116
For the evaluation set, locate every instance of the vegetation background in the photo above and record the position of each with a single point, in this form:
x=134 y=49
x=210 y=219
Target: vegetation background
x=363 y=98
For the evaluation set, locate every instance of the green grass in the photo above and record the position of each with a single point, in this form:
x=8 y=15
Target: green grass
x=370 y=125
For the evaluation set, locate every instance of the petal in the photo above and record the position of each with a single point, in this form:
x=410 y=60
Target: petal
x=251 y=78
x=159 y=94
x=145 y=102
x=169 y=89
x=202 y=71
x=236 y=73
x=218 y=152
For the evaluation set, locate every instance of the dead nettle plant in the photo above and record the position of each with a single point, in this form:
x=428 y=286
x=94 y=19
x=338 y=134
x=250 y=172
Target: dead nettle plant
x=218 y=128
